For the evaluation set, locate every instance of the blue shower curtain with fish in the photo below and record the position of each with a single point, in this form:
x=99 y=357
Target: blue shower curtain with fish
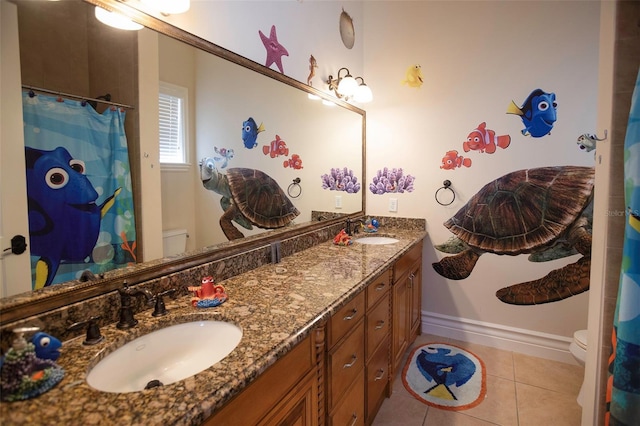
x=623 y=385
x=80 y=200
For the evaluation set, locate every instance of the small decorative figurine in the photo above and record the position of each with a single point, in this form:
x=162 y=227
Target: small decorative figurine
x=371 y=225
x=342 y=239
x=23 y=374
x=208 y=295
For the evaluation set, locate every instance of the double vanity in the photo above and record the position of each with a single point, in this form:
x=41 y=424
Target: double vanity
x=322 y=335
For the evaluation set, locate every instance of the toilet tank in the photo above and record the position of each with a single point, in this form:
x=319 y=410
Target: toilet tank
x=174 y=241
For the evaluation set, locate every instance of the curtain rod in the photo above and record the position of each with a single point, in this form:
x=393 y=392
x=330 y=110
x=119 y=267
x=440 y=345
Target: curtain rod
x=68 y=95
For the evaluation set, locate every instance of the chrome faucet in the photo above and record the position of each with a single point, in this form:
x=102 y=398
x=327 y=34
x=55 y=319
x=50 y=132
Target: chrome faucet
x=126 y=309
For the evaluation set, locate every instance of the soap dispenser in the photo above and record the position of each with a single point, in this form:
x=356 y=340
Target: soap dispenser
x=22 y=374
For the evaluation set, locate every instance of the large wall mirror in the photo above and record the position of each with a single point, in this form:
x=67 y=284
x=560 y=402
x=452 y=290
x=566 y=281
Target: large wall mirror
x=224 y=90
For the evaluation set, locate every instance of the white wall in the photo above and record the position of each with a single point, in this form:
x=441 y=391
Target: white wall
x=476 y=57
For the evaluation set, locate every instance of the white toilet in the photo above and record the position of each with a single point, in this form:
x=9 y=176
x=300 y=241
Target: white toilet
x=578 y=349
x=174 y=241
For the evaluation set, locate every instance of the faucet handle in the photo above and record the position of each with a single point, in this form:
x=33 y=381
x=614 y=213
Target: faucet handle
x=160 y=309
x=93 y=336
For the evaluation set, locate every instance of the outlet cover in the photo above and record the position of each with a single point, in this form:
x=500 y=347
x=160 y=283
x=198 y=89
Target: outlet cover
x=393 y=204
x=338 y=202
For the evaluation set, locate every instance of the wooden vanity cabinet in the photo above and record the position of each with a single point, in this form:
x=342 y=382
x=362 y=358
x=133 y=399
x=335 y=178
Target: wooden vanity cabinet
x=406 y=301
x=285 y=394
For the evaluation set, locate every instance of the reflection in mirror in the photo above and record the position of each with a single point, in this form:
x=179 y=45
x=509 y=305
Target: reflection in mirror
x=224 y=91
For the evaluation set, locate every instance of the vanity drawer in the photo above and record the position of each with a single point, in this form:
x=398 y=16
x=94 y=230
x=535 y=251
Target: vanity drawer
x=345 y=362
x=377 y=325
x=378 y=288
x=377 y=379
x=351 y=409
x=346 y=318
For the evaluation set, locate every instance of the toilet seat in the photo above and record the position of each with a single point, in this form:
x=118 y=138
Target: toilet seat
x=580 y=338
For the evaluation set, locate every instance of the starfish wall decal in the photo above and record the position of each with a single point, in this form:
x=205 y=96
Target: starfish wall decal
x=275 y=50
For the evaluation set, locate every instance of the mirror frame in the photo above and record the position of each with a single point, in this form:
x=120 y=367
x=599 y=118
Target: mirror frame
x=24 y=305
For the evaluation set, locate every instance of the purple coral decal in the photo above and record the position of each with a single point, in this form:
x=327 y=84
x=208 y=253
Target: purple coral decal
x=341 y=179
x=391 y=180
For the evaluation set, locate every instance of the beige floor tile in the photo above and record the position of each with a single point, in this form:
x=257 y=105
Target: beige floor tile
x=497 y=362
x=547 y=374
x=437 y=417
x=537 y=406
x=401 y=410
x=499 y=406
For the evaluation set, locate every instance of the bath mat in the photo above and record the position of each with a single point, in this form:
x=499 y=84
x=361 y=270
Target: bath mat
x=445 y=376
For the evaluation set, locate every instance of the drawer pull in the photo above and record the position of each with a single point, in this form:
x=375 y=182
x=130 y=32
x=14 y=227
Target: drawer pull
x=411 y=277
x=354 y=358
x=379 y=325
x=355 y=419
x=380 y=375
x=380 y=286
x=354 y=311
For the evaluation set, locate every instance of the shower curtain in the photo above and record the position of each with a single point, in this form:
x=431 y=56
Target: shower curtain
x=80 y=201
x=623 y=385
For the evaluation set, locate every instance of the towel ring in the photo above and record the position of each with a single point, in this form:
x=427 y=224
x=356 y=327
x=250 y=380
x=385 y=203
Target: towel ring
x=294 y=188
x=446 y=185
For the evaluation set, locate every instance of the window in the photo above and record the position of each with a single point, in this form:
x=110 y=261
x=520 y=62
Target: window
x=173 y=124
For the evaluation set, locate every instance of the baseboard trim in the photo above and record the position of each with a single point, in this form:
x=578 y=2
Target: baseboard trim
x=542 y=345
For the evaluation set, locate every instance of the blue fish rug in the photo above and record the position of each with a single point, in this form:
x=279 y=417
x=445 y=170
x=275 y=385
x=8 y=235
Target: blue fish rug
x=445 y=376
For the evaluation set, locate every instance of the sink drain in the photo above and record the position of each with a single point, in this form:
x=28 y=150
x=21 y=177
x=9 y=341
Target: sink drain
x=153 y=384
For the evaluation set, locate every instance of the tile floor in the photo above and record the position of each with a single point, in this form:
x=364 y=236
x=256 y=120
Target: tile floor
x=521 y=391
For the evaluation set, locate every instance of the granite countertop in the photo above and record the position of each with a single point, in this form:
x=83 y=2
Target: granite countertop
x=276 y=306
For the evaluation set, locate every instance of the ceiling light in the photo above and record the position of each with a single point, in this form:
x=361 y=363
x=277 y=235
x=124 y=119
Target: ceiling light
x=116 y=20
x=348 y=87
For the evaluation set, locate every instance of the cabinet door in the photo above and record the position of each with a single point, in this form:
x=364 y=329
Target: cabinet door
x=400 y=320
x=300 y=409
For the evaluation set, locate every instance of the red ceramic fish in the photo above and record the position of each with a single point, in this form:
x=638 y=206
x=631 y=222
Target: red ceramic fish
x=485 y=140
x=276 y=148
x=452 y=160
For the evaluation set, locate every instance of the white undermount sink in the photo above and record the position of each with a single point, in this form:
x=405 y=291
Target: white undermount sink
x=376 y=240
x=167 y=355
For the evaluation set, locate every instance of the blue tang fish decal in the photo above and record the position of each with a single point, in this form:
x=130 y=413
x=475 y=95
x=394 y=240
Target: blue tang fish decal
x=47 y=346
x=538 y=113
x=64 y=220
x=439 y=366
x=250 y=133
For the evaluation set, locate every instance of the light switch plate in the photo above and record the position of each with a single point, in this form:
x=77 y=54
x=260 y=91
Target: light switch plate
x=393 y=204
x=338 y=201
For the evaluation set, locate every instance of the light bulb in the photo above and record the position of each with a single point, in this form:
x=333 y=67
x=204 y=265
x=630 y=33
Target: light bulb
x=347 y=86
x=363 y=94
x=116 y=20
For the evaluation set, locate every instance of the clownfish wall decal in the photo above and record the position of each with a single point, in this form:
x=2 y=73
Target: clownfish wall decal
x=538 y=113
x=485 y=140
x=452 y=160
x=276 y=148
x=295 y=162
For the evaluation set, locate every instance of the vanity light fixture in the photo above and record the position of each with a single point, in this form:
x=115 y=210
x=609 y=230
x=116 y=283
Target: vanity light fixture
x=169 y=7
x=116 y=20
x=348 y=87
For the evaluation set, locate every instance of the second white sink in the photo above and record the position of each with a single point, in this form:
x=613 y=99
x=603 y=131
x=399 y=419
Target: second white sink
x=376 y=240
x=166 y=356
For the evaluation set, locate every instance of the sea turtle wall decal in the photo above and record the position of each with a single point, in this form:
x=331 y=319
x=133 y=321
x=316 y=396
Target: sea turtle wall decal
x=546 y=210
x=249 y=197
